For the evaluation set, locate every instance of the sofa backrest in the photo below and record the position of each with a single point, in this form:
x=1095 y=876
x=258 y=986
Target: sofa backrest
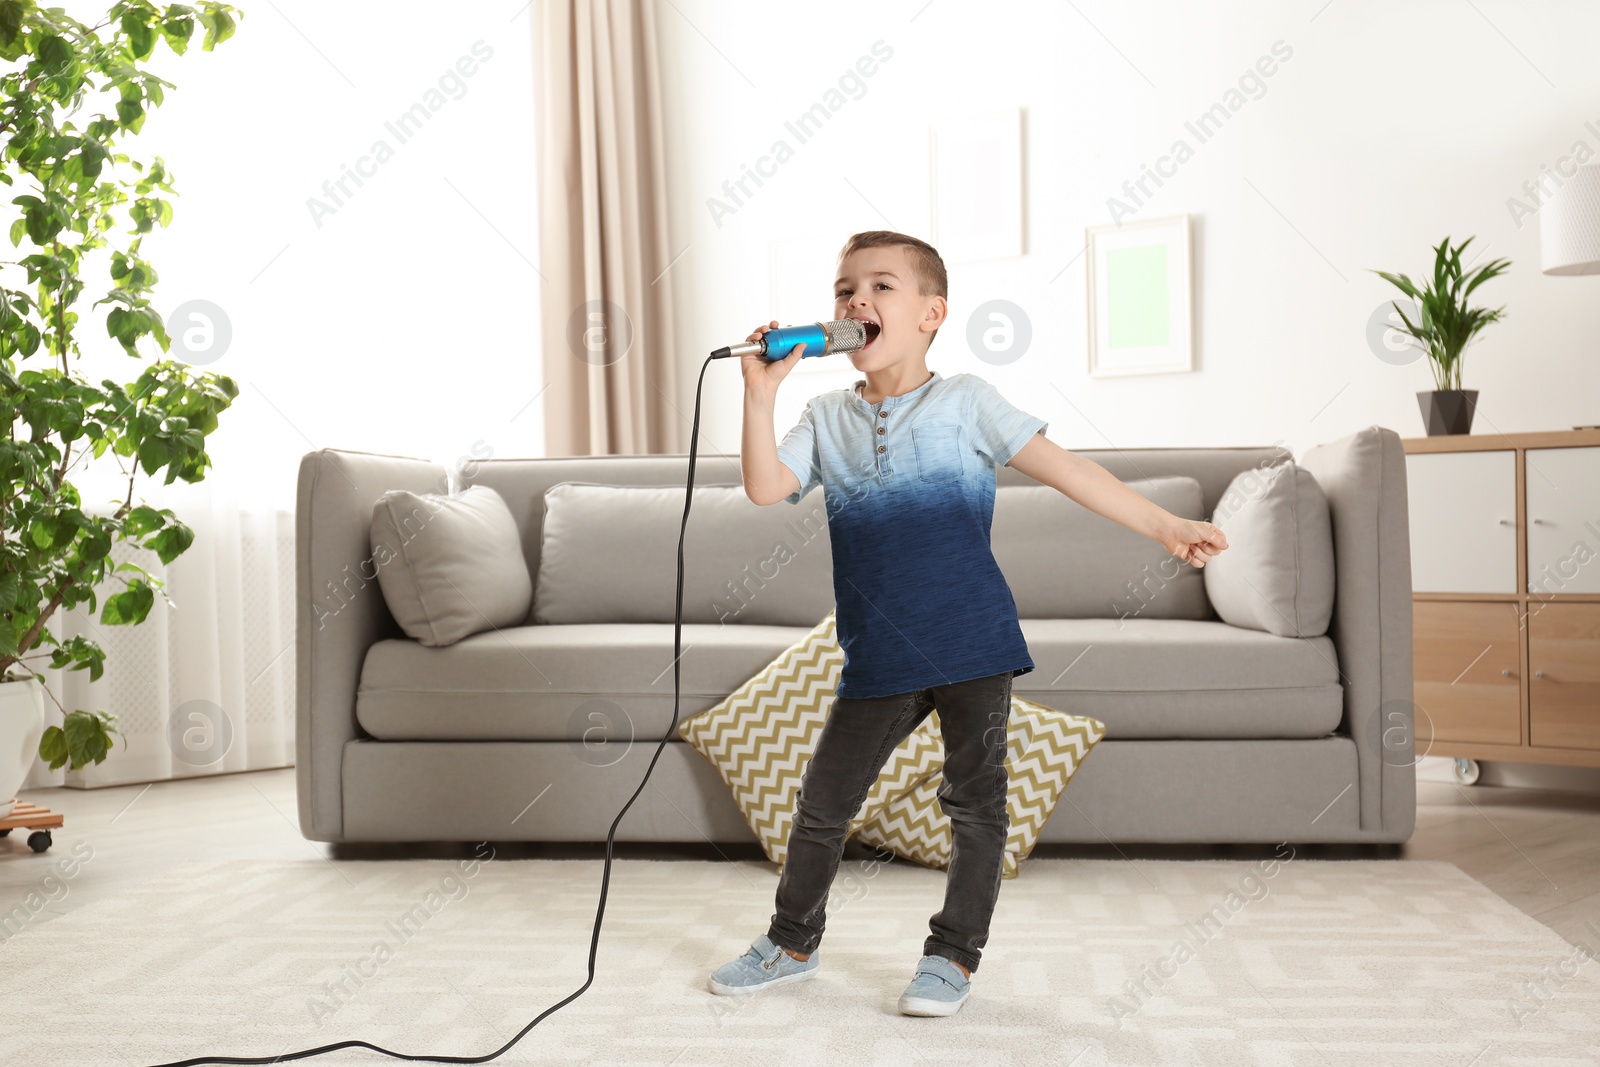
x=1094 y=578
x=1063 y=561
x=610 y=555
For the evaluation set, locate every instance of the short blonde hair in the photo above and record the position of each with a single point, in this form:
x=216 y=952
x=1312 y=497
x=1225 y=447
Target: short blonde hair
x=925 y=259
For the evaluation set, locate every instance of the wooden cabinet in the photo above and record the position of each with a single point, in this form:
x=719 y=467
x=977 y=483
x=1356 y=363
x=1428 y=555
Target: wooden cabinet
x=1463 y=521
x=1564 y=690
x=1505 y=567
x=1563 y=520
x=1468 y=668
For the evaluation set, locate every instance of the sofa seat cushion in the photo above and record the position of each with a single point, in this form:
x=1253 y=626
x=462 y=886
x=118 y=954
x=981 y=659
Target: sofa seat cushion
x=559 y=682
x=1184 y=678
x=1150 y=678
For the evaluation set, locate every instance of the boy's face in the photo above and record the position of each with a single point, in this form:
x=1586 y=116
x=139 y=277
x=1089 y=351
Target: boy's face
x=878 y=285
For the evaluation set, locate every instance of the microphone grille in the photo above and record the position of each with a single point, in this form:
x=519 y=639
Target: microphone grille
x=844 y=335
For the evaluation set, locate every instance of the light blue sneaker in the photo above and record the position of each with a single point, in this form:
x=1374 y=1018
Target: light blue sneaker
x=939 y=988
x=765 y=964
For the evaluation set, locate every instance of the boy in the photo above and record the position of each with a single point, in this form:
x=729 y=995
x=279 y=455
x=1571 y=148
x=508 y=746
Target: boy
x=925 y=619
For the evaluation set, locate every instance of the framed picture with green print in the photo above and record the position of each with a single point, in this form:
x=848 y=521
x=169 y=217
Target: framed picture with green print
x=1140 y=297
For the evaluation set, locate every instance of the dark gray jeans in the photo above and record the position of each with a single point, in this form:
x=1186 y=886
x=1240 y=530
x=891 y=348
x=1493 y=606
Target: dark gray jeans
x=854 y=745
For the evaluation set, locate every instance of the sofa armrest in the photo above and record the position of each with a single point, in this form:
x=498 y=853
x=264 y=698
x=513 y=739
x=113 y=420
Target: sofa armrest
x=339 y=613
x=1363 y=477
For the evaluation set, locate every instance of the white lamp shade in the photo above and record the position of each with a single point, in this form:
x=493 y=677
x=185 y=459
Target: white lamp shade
x=1569 y=225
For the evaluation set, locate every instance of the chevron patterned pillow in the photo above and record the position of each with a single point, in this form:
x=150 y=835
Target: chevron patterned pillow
x=761 y=736
x=1044 y=748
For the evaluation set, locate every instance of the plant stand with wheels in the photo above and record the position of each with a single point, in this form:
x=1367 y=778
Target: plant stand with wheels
x=40 y=820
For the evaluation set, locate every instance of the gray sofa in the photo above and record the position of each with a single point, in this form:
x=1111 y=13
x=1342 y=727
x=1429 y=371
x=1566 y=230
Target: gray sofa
x=541 y=732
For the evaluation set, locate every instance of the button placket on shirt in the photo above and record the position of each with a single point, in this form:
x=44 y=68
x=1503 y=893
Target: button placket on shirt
x=885 y=464
x=881 y=457
x=884 y=467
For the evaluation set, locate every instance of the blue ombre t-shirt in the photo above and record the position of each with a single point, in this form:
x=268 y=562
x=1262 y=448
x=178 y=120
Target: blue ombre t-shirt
x=908 y=484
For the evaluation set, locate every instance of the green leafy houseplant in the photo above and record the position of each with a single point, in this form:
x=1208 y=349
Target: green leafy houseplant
x=1446 y=323
x=53 y=554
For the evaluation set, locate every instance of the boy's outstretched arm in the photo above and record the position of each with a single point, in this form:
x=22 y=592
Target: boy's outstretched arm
x=1088 y=483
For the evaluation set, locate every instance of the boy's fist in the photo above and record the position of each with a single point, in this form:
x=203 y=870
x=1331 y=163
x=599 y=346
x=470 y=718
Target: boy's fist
x=762 y=375
x=1196 y=543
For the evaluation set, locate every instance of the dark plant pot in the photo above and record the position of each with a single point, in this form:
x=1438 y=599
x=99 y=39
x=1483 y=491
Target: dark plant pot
x=1447 y=411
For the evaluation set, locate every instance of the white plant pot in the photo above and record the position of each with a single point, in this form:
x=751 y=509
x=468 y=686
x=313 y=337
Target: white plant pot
x=21 y=726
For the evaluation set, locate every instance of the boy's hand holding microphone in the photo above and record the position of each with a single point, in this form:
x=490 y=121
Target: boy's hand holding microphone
x=763 y=370
x=762 y=375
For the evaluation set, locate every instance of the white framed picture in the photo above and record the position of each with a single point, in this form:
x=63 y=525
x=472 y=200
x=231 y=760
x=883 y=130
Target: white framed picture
x=975 y=165
x=1140 y=307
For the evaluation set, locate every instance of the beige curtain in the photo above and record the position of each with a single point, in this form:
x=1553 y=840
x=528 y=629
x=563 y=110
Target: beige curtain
x=609 y=362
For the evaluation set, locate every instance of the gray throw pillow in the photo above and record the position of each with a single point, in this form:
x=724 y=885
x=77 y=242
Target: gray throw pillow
x=450 y=566
x=1277 y=571
x=1063 y=561
x=609 y=553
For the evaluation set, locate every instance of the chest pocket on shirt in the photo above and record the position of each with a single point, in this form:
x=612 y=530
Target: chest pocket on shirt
x=940 y=450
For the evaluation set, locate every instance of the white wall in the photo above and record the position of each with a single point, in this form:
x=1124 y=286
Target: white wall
x=1389 y=127
x=405 y=322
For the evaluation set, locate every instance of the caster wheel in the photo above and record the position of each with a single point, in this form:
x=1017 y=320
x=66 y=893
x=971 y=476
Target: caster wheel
x=39 y=840
x=1466 y=771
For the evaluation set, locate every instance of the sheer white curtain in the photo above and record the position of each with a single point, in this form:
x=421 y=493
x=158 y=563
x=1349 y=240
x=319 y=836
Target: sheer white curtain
x=204 y=685
x=368 y=228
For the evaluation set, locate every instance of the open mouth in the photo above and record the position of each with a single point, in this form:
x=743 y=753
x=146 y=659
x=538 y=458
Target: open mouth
x=872 y=330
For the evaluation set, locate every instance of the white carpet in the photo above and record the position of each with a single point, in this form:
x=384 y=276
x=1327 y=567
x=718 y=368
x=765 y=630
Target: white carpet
x=1307 y=962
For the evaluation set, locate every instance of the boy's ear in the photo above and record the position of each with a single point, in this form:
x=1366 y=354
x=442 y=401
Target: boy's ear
x=934 y=317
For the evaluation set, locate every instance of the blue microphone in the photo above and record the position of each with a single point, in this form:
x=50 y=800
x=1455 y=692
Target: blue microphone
x=820 y=339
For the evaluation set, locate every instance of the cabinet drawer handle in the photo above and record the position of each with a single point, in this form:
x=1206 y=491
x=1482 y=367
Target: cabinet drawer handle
x=1507 y=522
x=1504 y=673
x=1538 y=674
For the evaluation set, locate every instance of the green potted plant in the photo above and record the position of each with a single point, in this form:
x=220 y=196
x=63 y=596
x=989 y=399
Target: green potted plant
x=1446 y=324
x=71 y=199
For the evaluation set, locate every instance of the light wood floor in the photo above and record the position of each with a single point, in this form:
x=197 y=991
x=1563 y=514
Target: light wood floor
x=1538 y=849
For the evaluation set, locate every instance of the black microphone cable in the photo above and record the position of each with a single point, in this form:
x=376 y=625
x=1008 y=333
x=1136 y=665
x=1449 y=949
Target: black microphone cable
x=605 y=880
